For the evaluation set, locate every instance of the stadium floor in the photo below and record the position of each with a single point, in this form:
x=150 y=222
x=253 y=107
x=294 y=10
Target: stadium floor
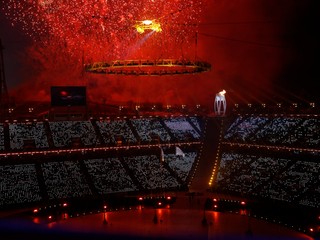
x=184 y=220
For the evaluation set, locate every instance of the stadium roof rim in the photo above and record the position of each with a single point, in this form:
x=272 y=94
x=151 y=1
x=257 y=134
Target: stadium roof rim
x=149 y=67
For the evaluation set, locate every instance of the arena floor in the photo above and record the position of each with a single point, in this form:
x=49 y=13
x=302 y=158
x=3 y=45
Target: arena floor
x=184 y=220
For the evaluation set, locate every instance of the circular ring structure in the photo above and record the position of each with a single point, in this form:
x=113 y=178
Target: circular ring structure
x=148 y=68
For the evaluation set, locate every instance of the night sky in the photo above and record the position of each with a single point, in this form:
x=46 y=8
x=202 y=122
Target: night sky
x=260 y=50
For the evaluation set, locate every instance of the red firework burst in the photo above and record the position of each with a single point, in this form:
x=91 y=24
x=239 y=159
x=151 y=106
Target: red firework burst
x=104 y=29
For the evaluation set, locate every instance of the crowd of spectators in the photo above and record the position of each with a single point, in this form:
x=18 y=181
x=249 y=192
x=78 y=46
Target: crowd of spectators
x=196 y=123
x=64 y=134
x=181 y=128
x=109 y=176
x=2 y=147
x=311 y=197
x=32 y=131
x=286 y=131
x=115 y=130
x=181 y=164
x=290 y=177
x=286 y=175
x=293 y=182
x=150 y=172
x=275 y=178
x=64 y=180
x=60 y=177
x=149 y=129
x=19 y=184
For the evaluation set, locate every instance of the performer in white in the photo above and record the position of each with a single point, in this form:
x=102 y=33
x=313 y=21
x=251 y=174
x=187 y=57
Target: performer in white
x=220 y=103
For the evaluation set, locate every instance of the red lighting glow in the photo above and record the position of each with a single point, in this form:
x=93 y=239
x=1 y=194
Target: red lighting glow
x=63 y=93
x=64 y=204
x=99 y=22
x=243 y=203
x=35 y=210
x=36 y=220
x=140 y=198
x=68 y=34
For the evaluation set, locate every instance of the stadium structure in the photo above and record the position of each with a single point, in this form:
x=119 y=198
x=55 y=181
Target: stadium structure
x=75 y=169
x=251 y=162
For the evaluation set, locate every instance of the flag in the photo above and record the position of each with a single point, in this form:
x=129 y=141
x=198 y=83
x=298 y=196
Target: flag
x=179 y=152
x=162 y=155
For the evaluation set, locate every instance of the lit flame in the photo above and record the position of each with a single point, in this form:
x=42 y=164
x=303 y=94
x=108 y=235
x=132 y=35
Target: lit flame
x=147 y=22
x=141 y=26
x=223 y=92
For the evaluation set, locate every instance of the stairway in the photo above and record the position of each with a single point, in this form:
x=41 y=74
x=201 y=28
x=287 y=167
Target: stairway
x=203 y=171
x=98 y=133
x=48 y=131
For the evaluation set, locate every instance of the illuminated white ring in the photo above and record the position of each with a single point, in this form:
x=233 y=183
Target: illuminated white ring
x=149 y=67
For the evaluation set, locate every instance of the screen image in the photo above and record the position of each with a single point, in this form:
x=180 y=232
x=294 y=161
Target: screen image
x=68 y=96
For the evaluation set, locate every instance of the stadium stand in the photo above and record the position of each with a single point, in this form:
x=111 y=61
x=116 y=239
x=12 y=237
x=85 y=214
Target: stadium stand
x=1 y=137
x=60 y=159
x=272 y=157
x=263 y=158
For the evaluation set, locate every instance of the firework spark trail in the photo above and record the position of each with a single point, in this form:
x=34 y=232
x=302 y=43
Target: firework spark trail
x=103 y=29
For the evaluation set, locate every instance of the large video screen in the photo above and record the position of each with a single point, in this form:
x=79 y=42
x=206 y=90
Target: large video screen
x=68 y=96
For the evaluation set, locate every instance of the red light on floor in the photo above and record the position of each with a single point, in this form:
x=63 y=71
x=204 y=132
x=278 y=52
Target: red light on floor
x=105 y=207
x=36 y=220
x=65 y=204
x=159 y=203
x=35 y=210
x=215 y=200
x=311 y=229
x=140 y=198
x=215 y=206
x=169 y=198
x=243 y=203
x=50 y=217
